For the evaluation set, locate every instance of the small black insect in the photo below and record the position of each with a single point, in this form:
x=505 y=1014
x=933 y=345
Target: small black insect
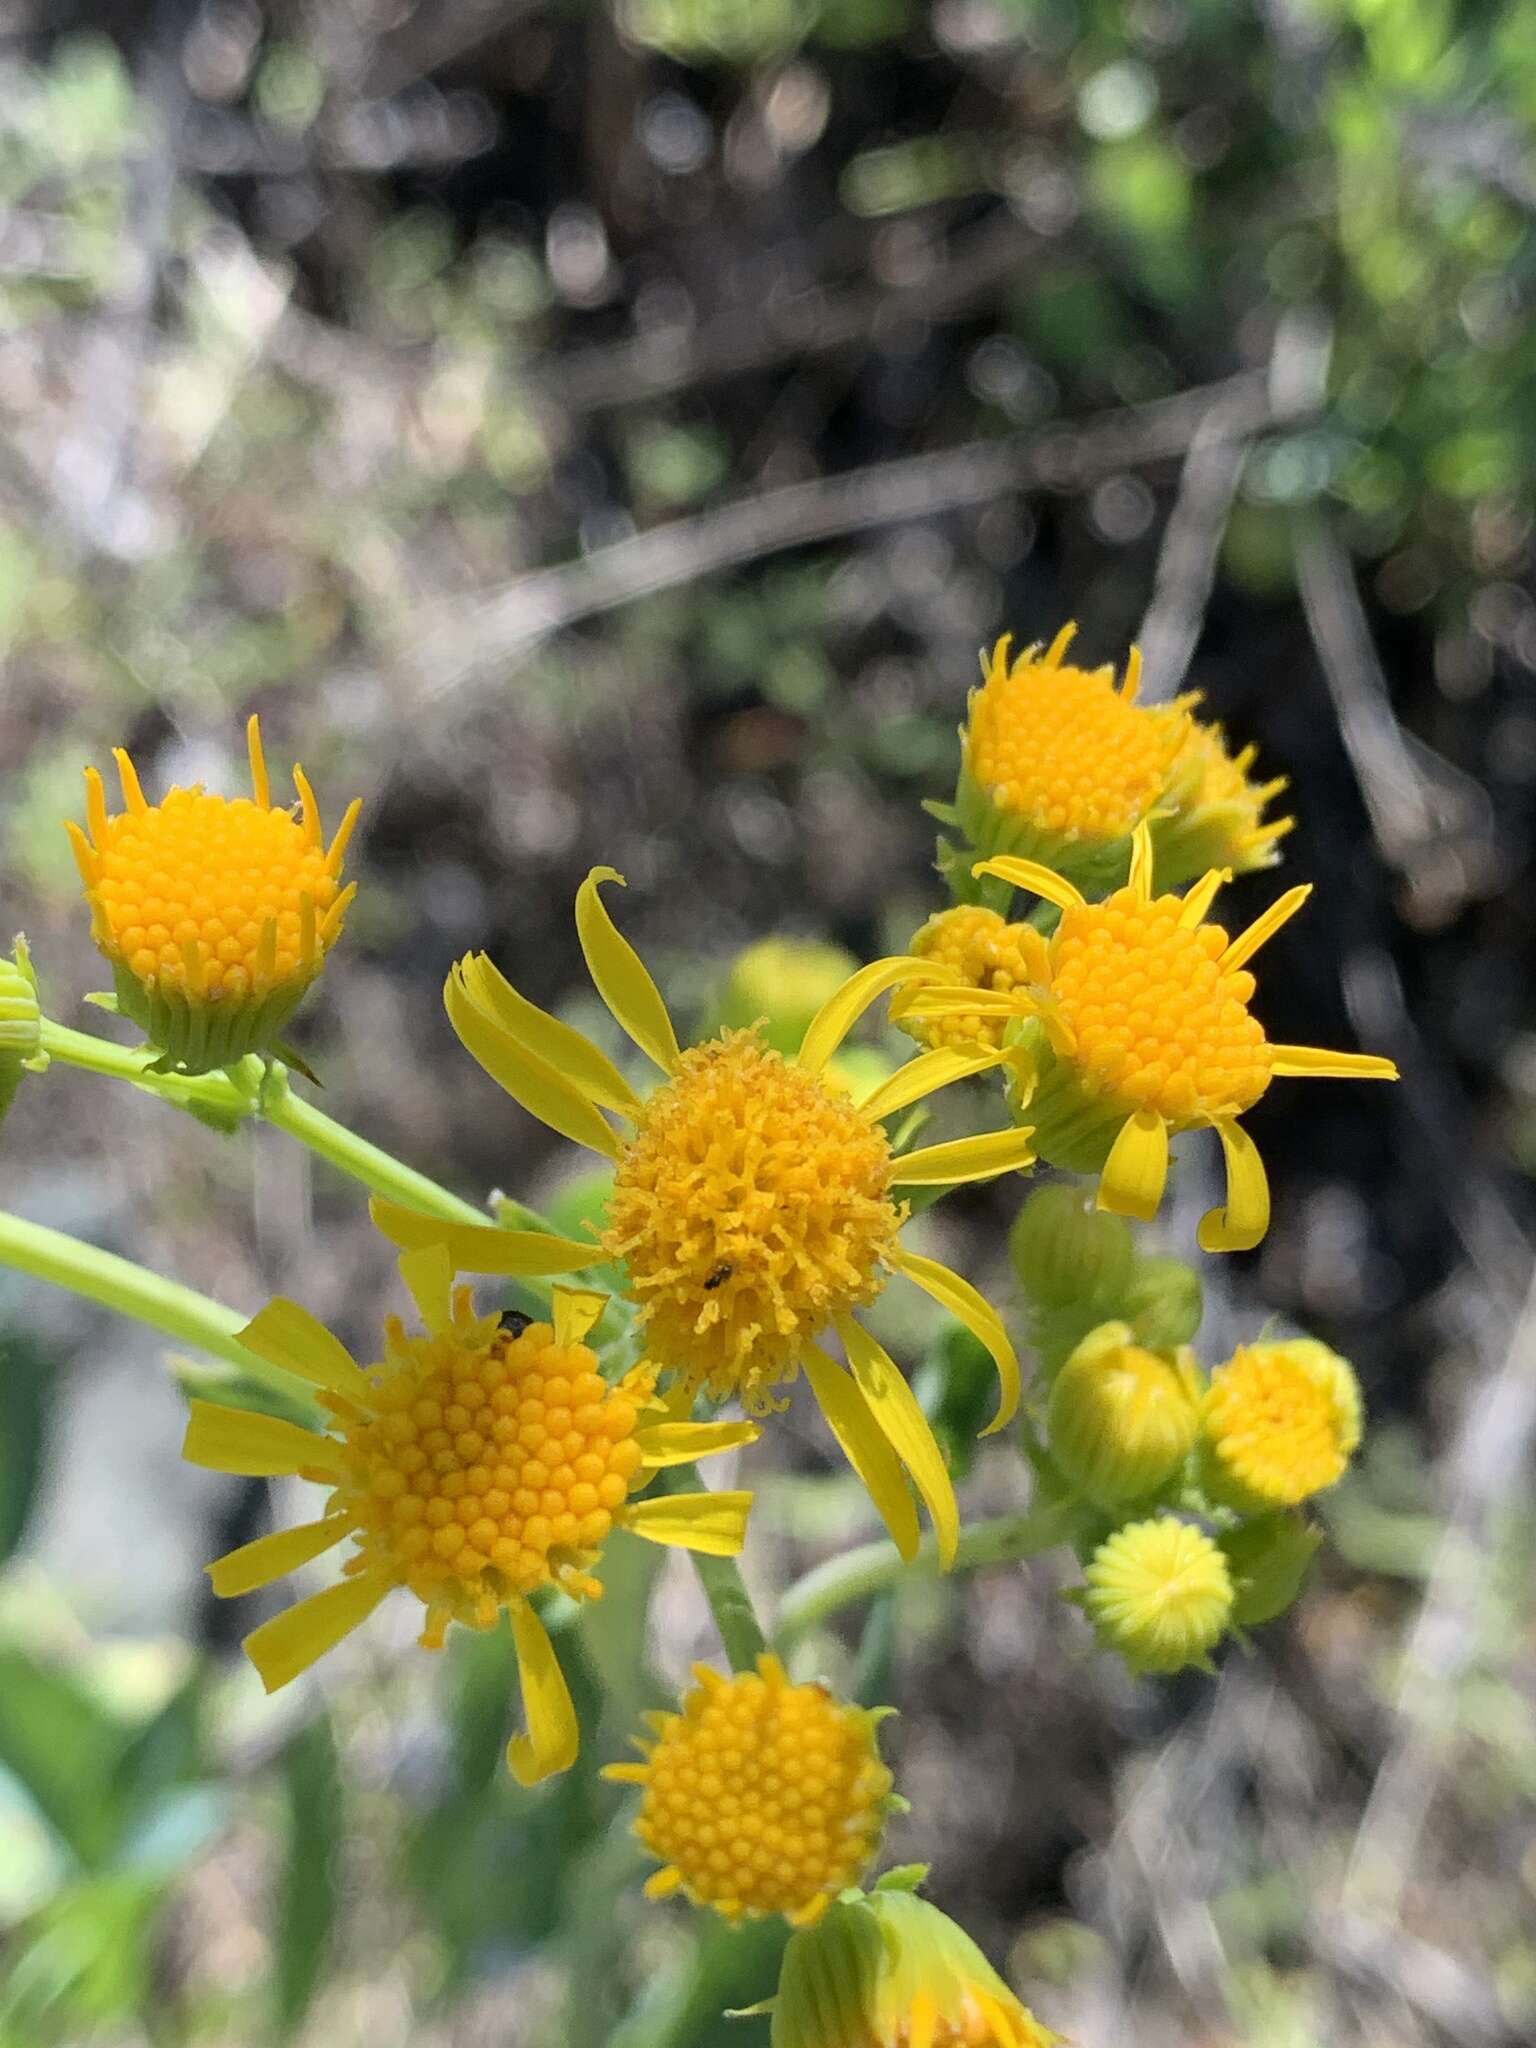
x=514 y=1322
x=721 y=1274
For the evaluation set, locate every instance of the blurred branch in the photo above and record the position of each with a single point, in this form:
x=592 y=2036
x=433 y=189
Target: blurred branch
x=458 y=642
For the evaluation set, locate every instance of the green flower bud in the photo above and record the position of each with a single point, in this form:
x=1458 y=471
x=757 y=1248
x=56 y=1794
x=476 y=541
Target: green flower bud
x=1066 y=1251
x=1160 y=1593
x=780 y=983
x=21 y=1019
x=1163 y=1302
x=1269 y=1560
x=1122 y=1419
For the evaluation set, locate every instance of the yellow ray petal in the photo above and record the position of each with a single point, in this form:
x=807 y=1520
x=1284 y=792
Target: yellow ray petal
x=1130 y=689
x=1242 y=1223
x=971 y=1307
x=840 y=1012
x=1136 y=1170
x=254 y=1446
x=309 y=806
x=1140 y=879
x=576 y=1311
x=863 y=1443
x=569 y=1051
x=940 y=1001
x=553 y=1736
x=715 y=1523
x=923 y=2023
x=428 y=1275
x=336 y=852
x=1198 y=900
x=95 y=805
x=1265 y=925
x=288 y=1335
x=926 y=1074
x=128 y=776
x=980 y=1158
x=1058 y=647
x=680 y=1443
x=273 y=1557
x=261 y=788
x=1318 y=1063
x=483 y=1247
x=293 y=1640
x=1038 y=880
x=620 y=976
x=895 y=1408
x=529 y=1080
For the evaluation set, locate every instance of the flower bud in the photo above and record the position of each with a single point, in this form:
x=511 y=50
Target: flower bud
x=1269 y=1559
x=1065 y=1251
x=1160 y=1593
x=1121 y=1419
x=1281 y=1423
x=1163 y=1302
x=780 y=984
x=21 y=1021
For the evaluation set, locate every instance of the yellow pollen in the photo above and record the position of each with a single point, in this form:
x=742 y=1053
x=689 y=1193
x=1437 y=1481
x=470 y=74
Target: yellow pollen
x=981 y=950
x=1066 y=750
x=1157 y=1022
x=750 y=1208
x=761 y=1796
x=488 y=1472
x=1282 y=1421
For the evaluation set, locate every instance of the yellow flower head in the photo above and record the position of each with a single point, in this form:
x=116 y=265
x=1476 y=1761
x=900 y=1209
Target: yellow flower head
x=1159 y=1592
x=891 y=1971
x=216 y=913
x=483 y=1460
x=1282 y=1422
x=1214 y=813
x=21 y=1023
x=1058 y=763
x=1142 y=1028
x=754 y=1200
x=1122 y=1419
x=975 y=948
x=759 y=1796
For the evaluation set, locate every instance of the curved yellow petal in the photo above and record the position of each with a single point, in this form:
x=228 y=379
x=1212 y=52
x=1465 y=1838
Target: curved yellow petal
x=947 y=1001
x=273 y=1557
x=680 y=1443
x=483 y=1247
x=261 y=788
x=842 y=1010
x=1037 y=879
x=254 y=1446
x=529 y=1080
x=287 y=1335
x=715 y=1523
x=1265 y=925
x=569 y=1051
x=1136 y=1171
x=929 y=1072
x=895 y=1408
x=1139 y=880
x=864 y=1444
x=1318 y=1063
x=983 y=1157
x=1242 y=1223
x=1198 y=900
x=293 y=1640
x=620 y=976
x=1058 y=647
x=553 y=1738
x=428 y=1275
x=576 y=1311
x=971 y=1307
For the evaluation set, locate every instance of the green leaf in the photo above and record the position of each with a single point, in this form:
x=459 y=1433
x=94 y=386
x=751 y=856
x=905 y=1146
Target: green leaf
x=27 y=1384
x=306 y=1915
x=65 y=1751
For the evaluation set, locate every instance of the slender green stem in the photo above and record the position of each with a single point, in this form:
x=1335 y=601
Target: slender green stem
x=116 y=1283
x=873 y=1567
x=730 y=1603
x=364 y=1161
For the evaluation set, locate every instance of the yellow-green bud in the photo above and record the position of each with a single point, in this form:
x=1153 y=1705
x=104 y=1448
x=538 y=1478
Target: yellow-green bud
x=1160 y=1593
x=1268 y=1559
x=887 y=1970
x=1121 y=1419
x=21 y=1023
x=1163 y=1303
x=1066 y=1251
x=1281 y=1423
x=780 y=983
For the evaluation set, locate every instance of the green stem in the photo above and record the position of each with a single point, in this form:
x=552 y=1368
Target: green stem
x=725 y=1589
x=115 y=1283
x=365 y=1162
x=873 y=1567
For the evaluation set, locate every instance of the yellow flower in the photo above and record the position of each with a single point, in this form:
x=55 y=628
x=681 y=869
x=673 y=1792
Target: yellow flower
x=1141 y=1030
x=759 y=1796
x=891 y=1971
x=479 y=1463
x=1214 y=813
x=754 y=1201
x=1282 y=1422
x=216 y=913
x=976 y=948
x=1058 y=764
x=21 y=1023
x=1159 y=1592
x=1122 y=1419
